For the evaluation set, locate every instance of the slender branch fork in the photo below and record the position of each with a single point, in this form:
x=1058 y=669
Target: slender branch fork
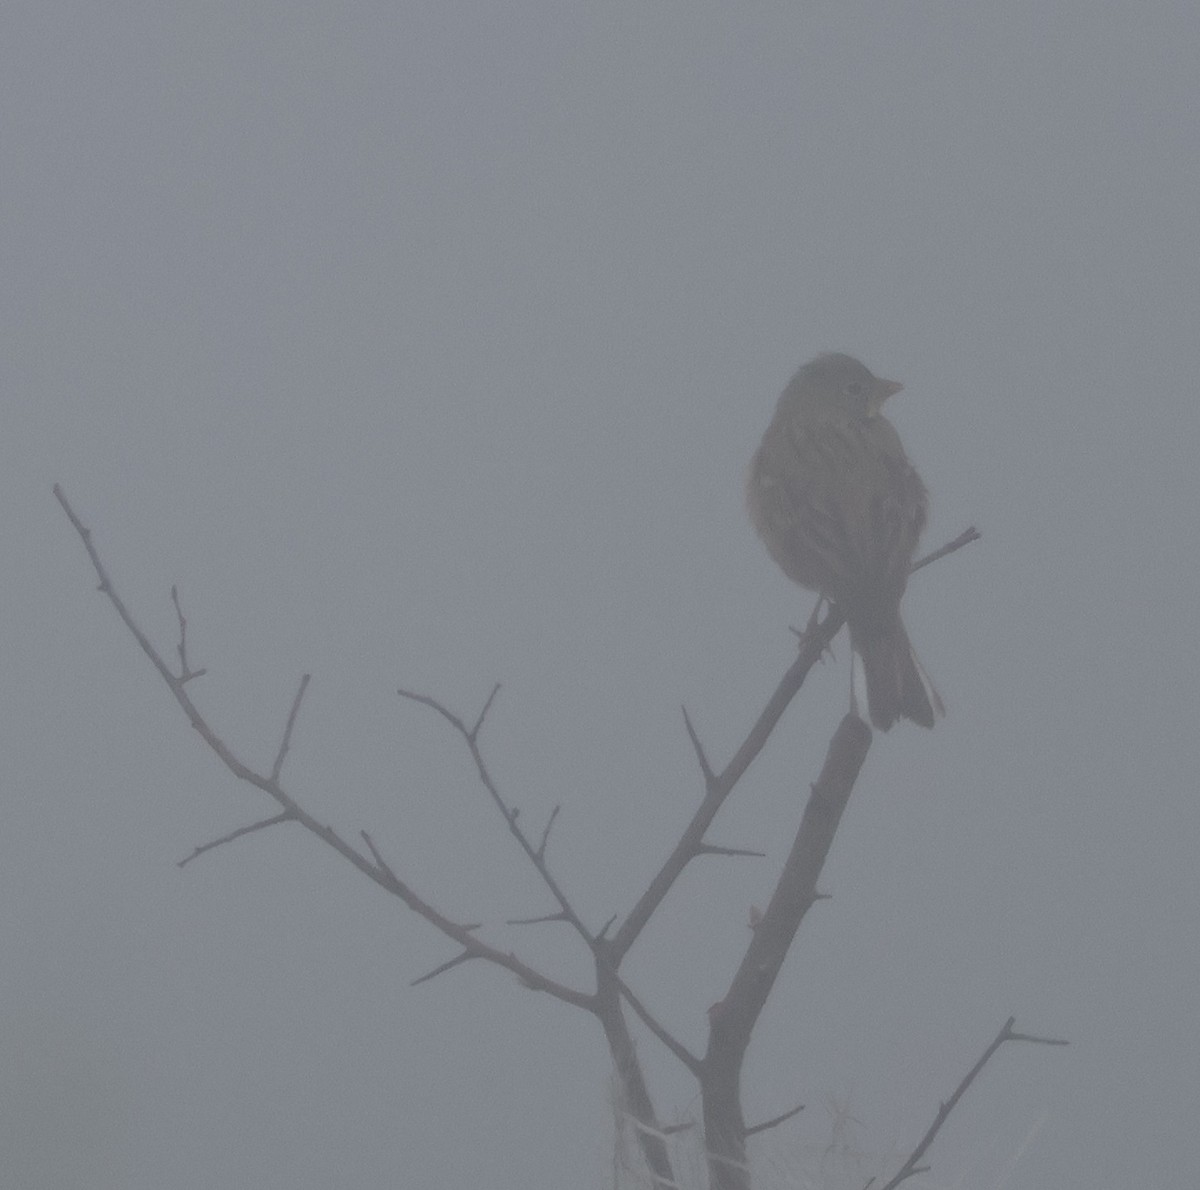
x=371 y=865
x=913 y=1165
x=608 y=951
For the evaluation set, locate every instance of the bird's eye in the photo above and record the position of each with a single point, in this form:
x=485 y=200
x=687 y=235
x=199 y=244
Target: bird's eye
x=854 y=389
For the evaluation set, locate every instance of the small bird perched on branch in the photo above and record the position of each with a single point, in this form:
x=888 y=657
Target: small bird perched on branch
x=840 y=508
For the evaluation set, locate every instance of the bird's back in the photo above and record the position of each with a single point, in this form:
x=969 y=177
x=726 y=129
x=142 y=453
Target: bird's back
x=838 y=505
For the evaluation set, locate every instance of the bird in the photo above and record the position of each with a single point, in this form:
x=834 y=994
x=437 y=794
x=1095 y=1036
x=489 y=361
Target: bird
x=840 y=509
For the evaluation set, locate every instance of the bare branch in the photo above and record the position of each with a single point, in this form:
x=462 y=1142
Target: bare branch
x=535 y=854
x=912 y=1166
x=1036 y=1040
x=811 y=648
x=275 y=820
x=443 y=968
x=446 y=714
x=285 y=743
x=690 y=1060
x=964 y=538
x=793 y=896
x=383 y=876
x=536 y=921
x=766 y=1124
x=815 y=640
x=732 y=1019
x=186 y=674
x=487 y=706
x=705 y=767
x=381 y=863
x=714 y=849
x=541 y=847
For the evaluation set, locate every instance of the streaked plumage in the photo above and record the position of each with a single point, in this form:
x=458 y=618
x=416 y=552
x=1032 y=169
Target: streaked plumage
x=840 y=508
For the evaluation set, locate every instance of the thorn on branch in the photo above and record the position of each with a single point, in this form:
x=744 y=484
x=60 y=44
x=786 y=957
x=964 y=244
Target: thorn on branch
x=474 y=732
x=285 y=743
x=380 y=862
x=186 y=673
x=433 y=704
x=608 y=925
x=274 y=820
x=713 y=849
x=537 y=921
x=705 y=768
x=912 y=1166
x=455 y=962
x=541 y=847
x=964 y=538
x=766 y=1124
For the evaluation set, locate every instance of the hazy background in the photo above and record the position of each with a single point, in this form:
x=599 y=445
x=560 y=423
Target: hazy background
x=427 y=345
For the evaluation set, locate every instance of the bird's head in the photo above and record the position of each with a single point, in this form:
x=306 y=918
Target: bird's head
x=840 y=384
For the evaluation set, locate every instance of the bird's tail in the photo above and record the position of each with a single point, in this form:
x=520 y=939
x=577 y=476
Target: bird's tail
x=897 y=685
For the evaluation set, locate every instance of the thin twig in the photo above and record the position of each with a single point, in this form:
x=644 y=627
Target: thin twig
x=676 y=1047
x=384 y=877
x=536 y=921
x=483 y=714
x=602 y=934
x=275 y=820
x=813 y=643
x=186 y=674
x=713 y=849
x=541 y=847
x=687 y=848
x=457 y=961
x=912 y=1166
x=448 y=715
x=964 y=538
x=702 y=759
x=783 y=1119
x=285 y=743
x=382 y=863
x=535 y=854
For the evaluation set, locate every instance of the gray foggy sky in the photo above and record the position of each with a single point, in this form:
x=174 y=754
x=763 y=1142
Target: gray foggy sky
x=427 y=345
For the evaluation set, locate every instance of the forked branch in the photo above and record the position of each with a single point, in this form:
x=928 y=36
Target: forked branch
x=913 y=1165
x=372 y=865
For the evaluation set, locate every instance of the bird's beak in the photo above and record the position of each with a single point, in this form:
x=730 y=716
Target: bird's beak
x=883 y=390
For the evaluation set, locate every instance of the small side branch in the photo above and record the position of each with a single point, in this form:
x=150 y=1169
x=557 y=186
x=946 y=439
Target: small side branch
x=274 y=820
x=714 y=849
x=535 y=853
x=718 y=785
x=541 y=847
x=457 y=961
x=964 y=538
x=535 y=921
x=285 y=743
x=487 y=706
x=913 y=1165
x=690 y=1060
x=371 y=866
x=186 y=673
x=766 y=1124
x=705 y=768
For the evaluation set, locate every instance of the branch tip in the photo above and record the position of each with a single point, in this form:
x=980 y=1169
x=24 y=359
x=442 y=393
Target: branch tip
x=442 y=969
x=912 y=1166
x=285 y=743
x=783 y=1119
x=705 y=768
x=487 y=706
x=274 y=820
x=541 y=847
